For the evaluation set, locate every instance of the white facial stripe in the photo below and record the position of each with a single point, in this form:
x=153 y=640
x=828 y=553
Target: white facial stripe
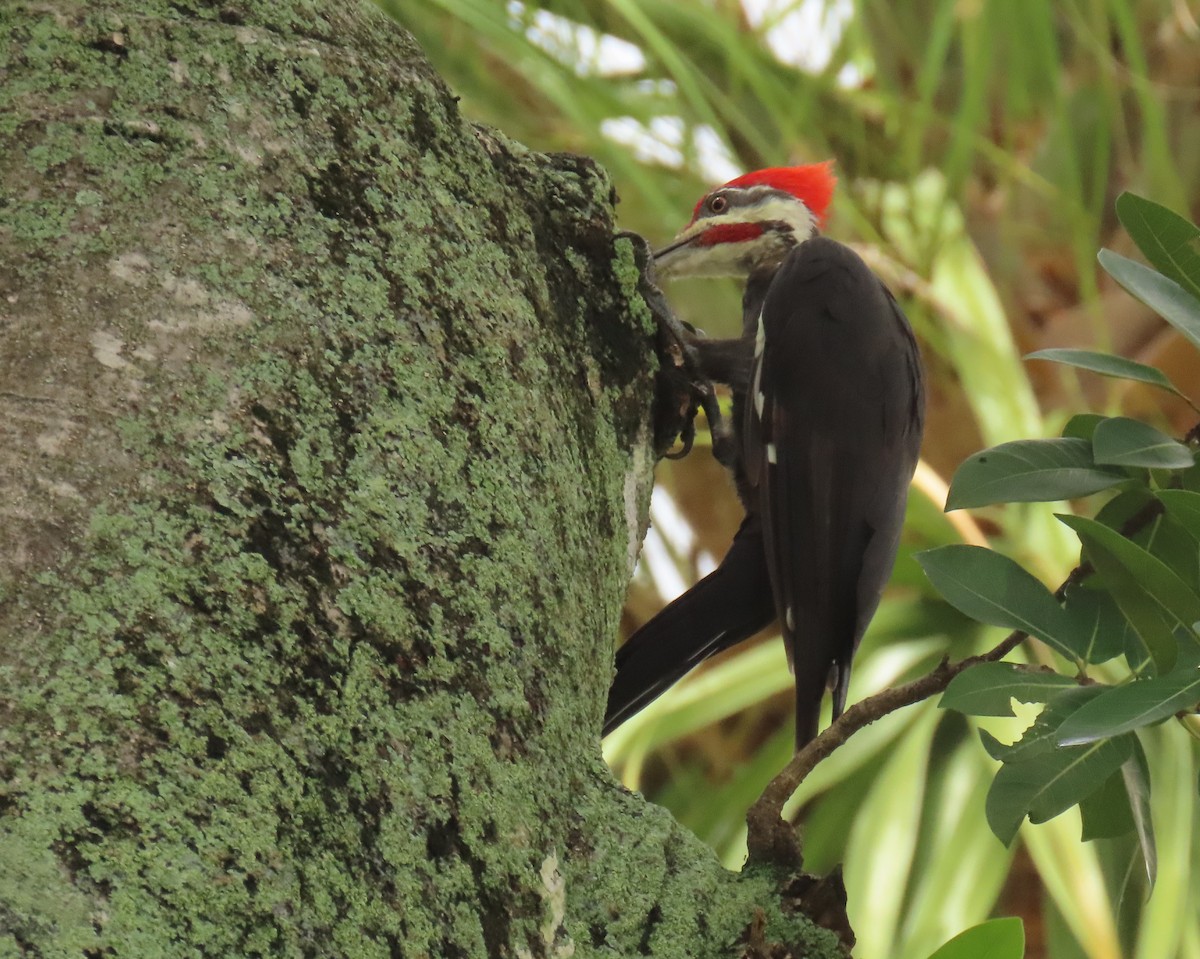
x=777 y=209
x=760 y=338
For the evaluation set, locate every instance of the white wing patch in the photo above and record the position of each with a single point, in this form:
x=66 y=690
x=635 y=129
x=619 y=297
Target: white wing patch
x=760 y=338
x=760 y=398
x=772 y=454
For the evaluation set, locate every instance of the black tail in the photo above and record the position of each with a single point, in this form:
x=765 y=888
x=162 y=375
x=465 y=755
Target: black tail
x=729 y=605
x=810 y=692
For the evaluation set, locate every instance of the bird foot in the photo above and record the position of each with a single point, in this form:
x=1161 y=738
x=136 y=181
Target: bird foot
x=682 y=389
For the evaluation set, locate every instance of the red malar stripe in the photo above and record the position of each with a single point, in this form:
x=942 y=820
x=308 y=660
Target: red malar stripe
x=729 y=233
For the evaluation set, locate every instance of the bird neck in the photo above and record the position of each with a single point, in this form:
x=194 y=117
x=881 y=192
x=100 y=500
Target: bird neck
x=757 y=284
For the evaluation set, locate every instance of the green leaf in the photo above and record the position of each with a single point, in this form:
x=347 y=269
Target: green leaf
x=1098 y=621
x=1163 y=295
x=1190 y=480
x=1081 y=426
x=1170 y=541
x=1155 y=530
x=1138 y=655
x=993 y=746
x=1120 y=441
x=1122 y=511
x=1047 y=782
x=1106 y=813
x=994 y=939
x=1042 y=734
x=1142 y=702
x=1151 y=595
x=1167 y=239
x=1122 y=804
x=1184 y=507
x=1108 y=365
x=988 y=689
x=1169 y=590
x=1136 y=773
x=1027 y=471
x=991 y=588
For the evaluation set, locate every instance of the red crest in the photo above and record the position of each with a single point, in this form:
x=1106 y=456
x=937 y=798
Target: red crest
x=812 y=184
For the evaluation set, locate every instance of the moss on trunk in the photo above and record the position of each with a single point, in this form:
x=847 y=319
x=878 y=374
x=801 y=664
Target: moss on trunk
x=326 y=461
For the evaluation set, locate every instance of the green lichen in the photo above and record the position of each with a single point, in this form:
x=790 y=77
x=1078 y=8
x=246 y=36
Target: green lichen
x=322 y=670
x=627 y=273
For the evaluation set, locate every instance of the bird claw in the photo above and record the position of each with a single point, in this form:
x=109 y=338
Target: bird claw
x=682 y=387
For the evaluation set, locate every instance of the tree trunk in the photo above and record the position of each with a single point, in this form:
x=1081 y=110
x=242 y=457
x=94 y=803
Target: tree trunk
x=326 y=457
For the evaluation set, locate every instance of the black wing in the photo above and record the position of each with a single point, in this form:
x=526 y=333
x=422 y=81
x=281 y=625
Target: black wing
x=729 y=605
x=833 y=429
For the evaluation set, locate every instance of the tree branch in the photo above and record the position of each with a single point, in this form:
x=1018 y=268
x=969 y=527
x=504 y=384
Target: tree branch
x=770 y=838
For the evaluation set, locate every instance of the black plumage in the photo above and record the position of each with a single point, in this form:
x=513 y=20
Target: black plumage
x=827 y=419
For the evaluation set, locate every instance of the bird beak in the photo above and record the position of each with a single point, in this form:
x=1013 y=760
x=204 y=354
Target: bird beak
x=671 y=257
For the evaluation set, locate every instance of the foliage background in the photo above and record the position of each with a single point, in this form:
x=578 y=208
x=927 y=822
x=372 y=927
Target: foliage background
x=980 y=145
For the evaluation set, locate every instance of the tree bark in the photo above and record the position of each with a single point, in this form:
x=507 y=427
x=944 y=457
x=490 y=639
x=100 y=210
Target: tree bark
x=327 y=452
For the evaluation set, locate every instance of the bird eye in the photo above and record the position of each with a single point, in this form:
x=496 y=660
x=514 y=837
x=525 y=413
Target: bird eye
x=718 y=204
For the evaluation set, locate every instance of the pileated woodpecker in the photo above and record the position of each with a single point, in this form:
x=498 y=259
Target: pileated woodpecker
x=828 y=409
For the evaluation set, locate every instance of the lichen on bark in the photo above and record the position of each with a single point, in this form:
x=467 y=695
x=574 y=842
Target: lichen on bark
x=328 y=439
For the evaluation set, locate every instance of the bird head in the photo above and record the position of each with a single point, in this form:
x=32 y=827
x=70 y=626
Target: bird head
x=750 y=223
